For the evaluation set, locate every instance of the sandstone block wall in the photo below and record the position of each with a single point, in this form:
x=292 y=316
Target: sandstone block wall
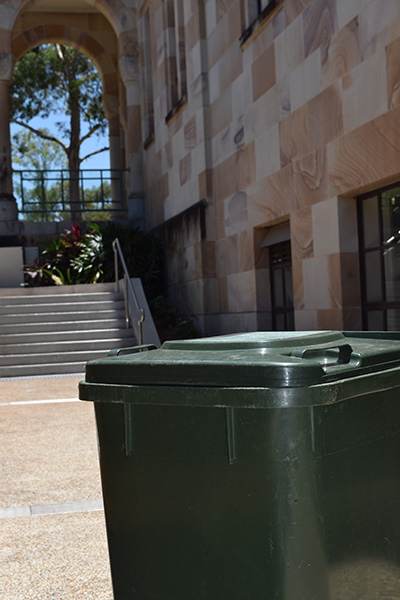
x=290 y=125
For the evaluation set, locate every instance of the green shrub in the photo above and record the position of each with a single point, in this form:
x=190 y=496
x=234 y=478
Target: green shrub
x=77 y=258
x=170 y=324
x=143 y=255
x=72 y=259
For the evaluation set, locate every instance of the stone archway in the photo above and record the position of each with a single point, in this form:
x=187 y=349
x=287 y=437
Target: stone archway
x=104 y=30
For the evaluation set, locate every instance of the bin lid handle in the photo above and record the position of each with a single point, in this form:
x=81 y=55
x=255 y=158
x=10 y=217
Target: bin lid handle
x=118 y=351
x=333 y=355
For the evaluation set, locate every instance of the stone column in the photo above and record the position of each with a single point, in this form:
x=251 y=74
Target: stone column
x=8 y=205
x=117 y=189
x=115 y=143
x=129 y=65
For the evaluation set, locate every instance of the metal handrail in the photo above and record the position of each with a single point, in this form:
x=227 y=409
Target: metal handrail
x=128 y=289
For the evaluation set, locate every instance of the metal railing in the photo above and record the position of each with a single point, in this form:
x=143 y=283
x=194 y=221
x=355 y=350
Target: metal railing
x=63 y=194
x=129 y=292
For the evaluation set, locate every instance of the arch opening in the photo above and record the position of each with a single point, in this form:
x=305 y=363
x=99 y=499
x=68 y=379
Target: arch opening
x=58 y=125
x=107 y=34
x=82 y=27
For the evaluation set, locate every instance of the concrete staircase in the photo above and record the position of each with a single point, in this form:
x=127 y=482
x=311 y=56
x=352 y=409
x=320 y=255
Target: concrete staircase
x=56 y=330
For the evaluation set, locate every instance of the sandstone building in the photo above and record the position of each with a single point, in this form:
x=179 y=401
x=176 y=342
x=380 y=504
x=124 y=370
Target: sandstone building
x=262 y=138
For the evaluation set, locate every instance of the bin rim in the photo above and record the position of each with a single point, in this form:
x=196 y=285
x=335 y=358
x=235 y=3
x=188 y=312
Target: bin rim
x=243 y=397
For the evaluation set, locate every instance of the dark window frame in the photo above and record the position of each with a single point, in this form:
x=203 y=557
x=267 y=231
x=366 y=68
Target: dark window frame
x=263 y=14
x=281 y=253
x=177 y=74
x=384 y=305
x=148 y=93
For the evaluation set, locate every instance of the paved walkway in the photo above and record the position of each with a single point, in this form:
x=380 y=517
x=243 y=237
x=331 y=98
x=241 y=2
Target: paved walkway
x=52 y=533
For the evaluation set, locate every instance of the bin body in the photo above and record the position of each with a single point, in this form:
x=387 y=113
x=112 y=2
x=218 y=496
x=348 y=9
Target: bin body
x=284 y=488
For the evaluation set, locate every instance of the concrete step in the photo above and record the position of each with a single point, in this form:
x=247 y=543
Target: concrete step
x=59 y=298
x=54 y=326
x=59 y=357
x=59 y=290
x=65 y=336
x=43 y=369
x=62 y=307
x=55 y=347
x=56 y=317
x=55 y=331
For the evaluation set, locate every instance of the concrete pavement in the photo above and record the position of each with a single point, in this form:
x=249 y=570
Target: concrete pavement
x=52 y=532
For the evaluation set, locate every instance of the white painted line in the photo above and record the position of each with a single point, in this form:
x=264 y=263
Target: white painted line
x=52 y=401
x=67 y=507
x=13 y=512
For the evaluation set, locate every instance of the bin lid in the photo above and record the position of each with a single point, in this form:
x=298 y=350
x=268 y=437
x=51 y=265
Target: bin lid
x=259 y=359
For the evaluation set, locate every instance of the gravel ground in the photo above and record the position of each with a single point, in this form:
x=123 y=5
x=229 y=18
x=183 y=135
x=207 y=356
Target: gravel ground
x=48 y=457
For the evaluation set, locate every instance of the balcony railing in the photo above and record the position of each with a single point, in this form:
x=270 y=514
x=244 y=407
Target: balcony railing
x=62 y=195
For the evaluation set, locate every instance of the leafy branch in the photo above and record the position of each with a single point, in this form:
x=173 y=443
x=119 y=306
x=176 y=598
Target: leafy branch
x=41 y=133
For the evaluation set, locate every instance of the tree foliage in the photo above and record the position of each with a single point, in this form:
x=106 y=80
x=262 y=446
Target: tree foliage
x=35 y=186
x=54 y=79
x=29 y=151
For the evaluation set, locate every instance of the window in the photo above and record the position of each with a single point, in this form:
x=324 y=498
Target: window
x=379 y=235
x=280 y=261
x=176 y=55
x=256 y=12
x=147 y=81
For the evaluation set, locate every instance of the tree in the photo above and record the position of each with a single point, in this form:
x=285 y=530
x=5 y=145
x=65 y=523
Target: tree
x=57 y=79
x=37 y=158
x=29 y=151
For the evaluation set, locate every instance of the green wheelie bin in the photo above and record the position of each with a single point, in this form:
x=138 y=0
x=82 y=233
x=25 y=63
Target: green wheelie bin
x=259 y=466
